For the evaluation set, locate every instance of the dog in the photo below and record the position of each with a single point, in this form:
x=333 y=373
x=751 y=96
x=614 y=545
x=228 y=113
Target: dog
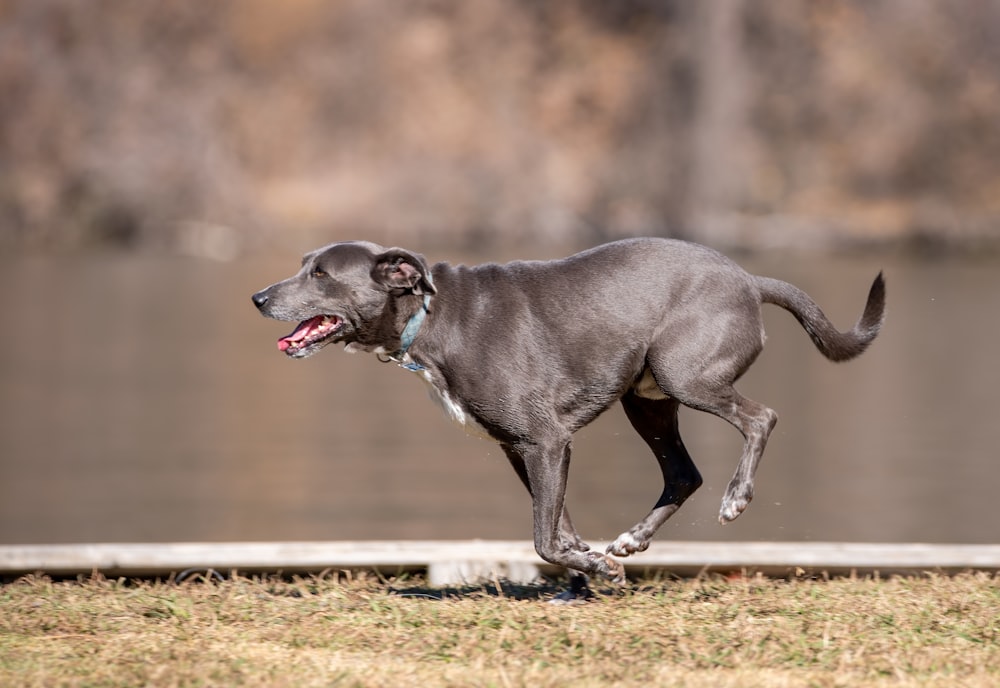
x=529 y=352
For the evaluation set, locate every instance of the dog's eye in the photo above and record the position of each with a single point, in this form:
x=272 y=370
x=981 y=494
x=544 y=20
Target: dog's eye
x=319 y=272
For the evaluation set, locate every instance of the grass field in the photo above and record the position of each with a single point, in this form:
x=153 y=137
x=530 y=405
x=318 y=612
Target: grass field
x=360 y=630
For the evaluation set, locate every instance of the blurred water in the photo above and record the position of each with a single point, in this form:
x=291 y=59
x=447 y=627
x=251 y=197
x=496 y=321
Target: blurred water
x=143 y=399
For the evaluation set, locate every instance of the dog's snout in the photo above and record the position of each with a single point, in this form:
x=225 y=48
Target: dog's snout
x=260 y=298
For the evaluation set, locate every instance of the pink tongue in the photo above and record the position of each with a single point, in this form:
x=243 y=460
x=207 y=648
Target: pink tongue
x=300 y=333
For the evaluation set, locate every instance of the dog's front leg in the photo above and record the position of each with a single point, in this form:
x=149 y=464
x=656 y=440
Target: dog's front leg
x=567 y=531
x=547 y=465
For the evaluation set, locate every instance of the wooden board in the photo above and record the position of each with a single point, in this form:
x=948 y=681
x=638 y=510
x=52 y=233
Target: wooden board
x=451 y=562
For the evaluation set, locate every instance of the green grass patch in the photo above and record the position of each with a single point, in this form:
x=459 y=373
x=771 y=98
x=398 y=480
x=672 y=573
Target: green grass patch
x=364 y=631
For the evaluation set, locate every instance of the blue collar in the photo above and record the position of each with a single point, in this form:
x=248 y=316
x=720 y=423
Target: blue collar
x=409 y=334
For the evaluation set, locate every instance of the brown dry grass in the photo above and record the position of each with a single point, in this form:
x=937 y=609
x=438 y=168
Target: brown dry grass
x=348 y=631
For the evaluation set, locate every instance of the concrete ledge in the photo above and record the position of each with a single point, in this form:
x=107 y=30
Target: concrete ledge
x=454 y=562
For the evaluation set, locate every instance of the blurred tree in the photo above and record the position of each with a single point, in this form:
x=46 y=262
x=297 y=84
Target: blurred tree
x=190 y=126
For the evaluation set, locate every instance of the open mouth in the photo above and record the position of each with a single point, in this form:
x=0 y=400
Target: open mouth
x=310 y=335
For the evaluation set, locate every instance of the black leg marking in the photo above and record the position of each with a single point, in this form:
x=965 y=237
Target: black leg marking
x=656 y=422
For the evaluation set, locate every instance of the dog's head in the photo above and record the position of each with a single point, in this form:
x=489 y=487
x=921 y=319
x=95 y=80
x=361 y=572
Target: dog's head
x=351 y=292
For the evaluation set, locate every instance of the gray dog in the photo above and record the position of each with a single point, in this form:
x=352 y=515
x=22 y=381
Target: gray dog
x=530 y=352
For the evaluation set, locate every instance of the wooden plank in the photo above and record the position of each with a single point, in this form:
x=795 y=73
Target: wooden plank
x=458 y=561
x=781 y=558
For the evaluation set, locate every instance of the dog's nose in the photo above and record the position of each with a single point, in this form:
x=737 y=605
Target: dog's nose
x=259 y=299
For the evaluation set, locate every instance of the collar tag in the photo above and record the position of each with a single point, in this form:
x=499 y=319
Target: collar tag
x=412 y=366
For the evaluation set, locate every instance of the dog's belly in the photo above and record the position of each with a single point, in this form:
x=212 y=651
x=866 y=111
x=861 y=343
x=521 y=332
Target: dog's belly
x=453 y=409
x=647 y=388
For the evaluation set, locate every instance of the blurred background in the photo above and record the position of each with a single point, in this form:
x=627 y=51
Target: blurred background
x=159 y=162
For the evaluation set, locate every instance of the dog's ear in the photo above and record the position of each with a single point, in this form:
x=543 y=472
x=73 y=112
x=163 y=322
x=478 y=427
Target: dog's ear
x=399 y=270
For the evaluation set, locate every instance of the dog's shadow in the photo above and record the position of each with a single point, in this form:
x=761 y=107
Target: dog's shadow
x=501 y=589
x=547 y=590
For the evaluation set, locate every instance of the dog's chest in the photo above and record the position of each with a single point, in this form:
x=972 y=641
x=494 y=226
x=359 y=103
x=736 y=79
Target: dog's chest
x=452 y=408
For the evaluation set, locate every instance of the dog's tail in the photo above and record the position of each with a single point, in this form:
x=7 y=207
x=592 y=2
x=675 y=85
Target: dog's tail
x=835 y=345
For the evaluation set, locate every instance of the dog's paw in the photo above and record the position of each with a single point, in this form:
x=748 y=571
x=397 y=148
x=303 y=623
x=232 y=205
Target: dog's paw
x=730 y=512
x=626 y=544
x=736 y=500
x=732 y=507
x=612 y=569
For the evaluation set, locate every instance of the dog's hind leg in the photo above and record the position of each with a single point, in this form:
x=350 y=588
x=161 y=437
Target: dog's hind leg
x=699 y=369
x=752 y=419
x=656 y=421
x=755 y=421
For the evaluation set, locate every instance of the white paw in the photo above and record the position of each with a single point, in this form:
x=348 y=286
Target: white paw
x=626 y=544
x=731 y=508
